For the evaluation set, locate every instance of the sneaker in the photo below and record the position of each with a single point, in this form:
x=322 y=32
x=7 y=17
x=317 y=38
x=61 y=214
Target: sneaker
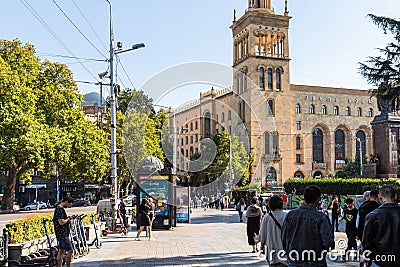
x=137 y=239
x=152 y=239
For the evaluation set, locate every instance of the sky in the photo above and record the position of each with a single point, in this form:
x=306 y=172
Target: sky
x=327 y=38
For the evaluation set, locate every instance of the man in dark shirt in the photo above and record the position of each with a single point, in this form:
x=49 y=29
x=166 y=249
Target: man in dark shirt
x=335 y=212
x=350 y=217
x=365 y=208
x=307 y=233
x=122 y=210
x=62 y=229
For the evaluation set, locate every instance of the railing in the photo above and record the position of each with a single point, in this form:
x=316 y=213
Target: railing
x=340 y=165
x=319 y=165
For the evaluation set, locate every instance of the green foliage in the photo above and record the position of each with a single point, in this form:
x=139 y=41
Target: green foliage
x=384 y=71
x=241 y=161
x=31 y=228
x=41 y=123
x=352 y=186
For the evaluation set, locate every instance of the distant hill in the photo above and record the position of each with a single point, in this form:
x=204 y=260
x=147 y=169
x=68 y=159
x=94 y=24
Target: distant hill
x=92 y=99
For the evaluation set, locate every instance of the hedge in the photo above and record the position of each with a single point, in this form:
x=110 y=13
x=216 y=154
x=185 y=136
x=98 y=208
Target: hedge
x=31 y=228
x=353 y=186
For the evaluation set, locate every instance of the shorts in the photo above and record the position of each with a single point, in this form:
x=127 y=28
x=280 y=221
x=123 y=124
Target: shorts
x=64 y=243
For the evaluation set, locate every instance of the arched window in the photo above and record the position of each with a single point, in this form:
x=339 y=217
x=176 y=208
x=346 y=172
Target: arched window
x=270 y=107
x=207 y=124
x=361 y=138
x=312 y=109
x=267 y=143
x=270 y=177
x=298 y=143
x=318 y=146
x=275 y=143
x=262 y=85
x=278 y=79
x=370 y=113
x=269 y=78
x=298 y=109
x=348 y=113
x=323 y=110
x=340 y=148
x=191 y=126
x=335 y=110
x=359 y=112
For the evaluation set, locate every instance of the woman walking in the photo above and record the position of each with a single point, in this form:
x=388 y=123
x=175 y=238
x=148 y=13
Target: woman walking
x=145 y=221
x=241 y=207
x=253 y=217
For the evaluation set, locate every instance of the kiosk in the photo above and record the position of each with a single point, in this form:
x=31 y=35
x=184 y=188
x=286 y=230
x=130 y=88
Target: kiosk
x=158 y=183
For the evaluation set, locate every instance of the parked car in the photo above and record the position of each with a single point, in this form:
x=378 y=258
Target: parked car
x=80 y=203
x=32 y=206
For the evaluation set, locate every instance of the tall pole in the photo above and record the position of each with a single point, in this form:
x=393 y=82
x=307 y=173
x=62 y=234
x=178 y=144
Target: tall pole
x=230 y=164
x=174 y=148
x=101 y=106
x=360 y=150
x=113 y=114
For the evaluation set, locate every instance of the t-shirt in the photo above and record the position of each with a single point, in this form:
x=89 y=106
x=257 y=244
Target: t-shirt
x=350 y=216
x=60 y=230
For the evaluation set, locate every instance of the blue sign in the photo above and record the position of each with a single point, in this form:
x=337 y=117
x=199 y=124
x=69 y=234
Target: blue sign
x=182 y=216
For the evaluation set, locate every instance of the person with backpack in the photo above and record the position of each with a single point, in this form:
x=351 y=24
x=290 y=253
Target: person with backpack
x=253 y=218
x=270 y=232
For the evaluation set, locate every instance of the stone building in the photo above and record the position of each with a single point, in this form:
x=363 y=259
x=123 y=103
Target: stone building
x=293 y=130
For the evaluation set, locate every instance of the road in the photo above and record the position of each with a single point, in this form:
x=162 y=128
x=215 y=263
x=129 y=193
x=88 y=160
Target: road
x=5 y=218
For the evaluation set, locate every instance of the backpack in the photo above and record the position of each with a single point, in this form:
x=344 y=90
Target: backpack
x=238 y=206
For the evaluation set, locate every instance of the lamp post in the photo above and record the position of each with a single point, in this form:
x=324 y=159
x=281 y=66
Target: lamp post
x=113 y=150
x=55 y=168
x=360 y=150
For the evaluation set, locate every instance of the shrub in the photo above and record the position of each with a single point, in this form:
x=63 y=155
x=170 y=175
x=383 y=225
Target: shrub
x=31 y=228
x=352 y=186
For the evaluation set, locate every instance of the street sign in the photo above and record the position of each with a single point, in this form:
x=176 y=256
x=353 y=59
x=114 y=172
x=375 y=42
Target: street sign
x=36 y=186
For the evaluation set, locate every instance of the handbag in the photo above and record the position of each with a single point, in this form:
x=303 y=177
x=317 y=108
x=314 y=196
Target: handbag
x=238 y=206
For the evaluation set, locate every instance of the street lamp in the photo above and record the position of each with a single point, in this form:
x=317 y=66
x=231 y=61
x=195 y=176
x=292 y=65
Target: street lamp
x=360 y=150
x=113 y=151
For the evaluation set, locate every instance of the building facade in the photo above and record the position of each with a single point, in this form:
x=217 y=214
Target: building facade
x=293 y=130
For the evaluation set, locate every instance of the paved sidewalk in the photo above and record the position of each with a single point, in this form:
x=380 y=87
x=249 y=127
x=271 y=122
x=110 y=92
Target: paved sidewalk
x=214 y=238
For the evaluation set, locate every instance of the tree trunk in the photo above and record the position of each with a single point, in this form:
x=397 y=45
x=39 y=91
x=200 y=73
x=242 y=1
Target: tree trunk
x=127 y=192
x=9 y=192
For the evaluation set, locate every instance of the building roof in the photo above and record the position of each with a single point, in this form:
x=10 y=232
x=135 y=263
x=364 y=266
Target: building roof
x=328 y=90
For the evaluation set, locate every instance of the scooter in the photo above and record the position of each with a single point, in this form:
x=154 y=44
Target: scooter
x=96 y=241
x=40 y=261
x=113 y=227
x=82 y=235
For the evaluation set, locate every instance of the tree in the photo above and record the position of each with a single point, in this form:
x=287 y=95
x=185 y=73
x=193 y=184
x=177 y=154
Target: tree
x=219 y=168
x=384 y=71
x=41 y=123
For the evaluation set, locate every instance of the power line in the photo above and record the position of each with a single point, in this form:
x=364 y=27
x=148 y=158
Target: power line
x=72 y=57
x=76 y=27
x=119 y=60
x=98 y=38
x=47 y=27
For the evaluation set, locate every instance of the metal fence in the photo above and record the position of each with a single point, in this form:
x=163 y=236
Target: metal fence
x=4 y=247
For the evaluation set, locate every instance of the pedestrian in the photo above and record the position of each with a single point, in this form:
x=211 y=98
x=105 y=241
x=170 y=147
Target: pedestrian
x=365 y=208
x=37 y=205
x=195 y=202
x=325 y=206
x=270 y=233
x=253 y=218
x=241 y=207
x=145 y=221
x=335 y=206
x=381 y=231
x=350 y=218
x=122 y=212
x=285 y=200
x=62 y=230
x=222 y=203
x=306 y=229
